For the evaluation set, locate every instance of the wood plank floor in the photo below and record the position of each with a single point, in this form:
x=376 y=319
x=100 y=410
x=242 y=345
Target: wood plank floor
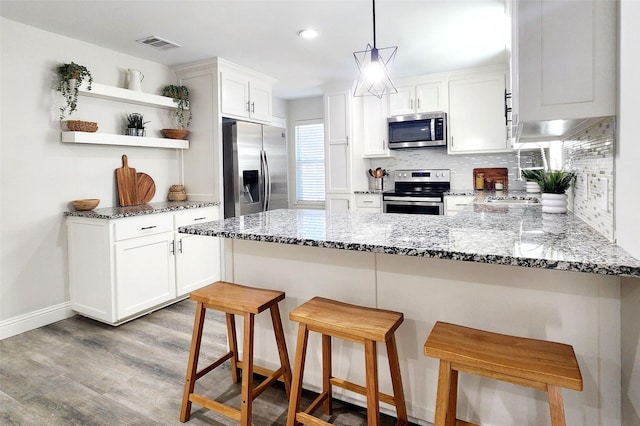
x=82 y=372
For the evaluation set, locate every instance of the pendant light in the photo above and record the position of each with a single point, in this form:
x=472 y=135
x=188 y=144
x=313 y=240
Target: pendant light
x=374 y=65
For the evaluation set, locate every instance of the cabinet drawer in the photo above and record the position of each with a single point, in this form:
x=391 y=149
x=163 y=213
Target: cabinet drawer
x=195 y=216
x=143 y=225
x=457 y=202
x=368 y=200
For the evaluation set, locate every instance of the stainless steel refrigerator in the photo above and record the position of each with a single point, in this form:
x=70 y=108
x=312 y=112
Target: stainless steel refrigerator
x=255 y=168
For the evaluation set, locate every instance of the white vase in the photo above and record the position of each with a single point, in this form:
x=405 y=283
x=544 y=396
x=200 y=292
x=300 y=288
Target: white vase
x=554 y=203
x=533 y=187
x=135 y=78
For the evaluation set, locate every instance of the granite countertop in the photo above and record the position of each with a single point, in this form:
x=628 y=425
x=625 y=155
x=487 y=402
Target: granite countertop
x=518 y=235
x=141 y=209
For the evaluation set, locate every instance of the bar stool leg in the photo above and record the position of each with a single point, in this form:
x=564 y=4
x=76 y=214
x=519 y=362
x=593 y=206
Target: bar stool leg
x=326 y=374
x=298 y=369
x=233 y=346
x=192 y=366
x=396 y=381
x=442 y=397
x=247 y=371
x=453 y=399
x=373 y=397
x=282 y=347
x=556 y=407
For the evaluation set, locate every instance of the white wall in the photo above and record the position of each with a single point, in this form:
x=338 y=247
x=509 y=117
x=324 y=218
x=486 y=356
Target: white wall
x=627 y=204
x=39 y=175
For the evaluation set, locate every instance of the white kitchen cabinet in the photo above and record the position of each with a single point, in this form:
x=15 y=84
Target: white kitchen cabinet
x=345 y=166
x=245 y=95
x=197 y=257
x=122 y=268
x=453 y=204
x=564 y=59
x=144 y=273
x=417 y=98
x=369 y=202
x=476 y=114
x=375 y=128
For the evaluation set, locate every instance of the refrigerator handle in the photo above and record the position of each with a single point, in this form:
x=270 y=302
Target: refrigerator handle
x=263 y=193
x=267 y=186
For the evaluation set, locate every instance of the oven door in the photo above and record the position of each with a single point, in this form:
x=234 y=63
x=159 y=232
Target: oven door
x=413 y=205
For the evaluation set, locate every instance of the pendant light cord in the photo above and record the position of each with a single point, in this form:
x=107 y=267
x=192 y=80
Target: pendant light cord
x=374 y=22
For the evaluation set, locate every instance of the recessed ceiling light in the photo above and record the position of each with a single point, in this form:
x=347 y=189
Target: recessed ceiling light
x=308 y=34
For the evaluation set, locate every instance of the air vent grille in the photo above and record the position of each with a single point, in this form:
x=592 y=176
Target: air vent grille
x=158 y=43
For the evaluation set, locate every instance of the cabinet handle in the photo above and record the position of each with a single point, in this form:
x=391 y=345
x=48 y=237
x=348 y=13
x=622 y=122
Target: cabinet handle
x=180 y=246
x=253 y=107
x=172 y=250
x=367 y=201
x=418 y=103
x=144 y=228
x=199 y=218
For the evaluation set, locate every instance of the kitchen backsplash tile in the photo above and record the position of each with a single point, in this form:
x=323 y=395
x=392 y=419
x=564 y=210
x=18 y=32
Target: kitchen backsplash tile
x=591 y=154
x=461 y=166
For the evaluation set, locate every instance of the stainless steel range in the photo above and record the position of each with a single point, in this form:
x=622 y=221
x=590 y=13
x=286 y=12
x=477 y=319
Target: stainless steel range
x=418 y=192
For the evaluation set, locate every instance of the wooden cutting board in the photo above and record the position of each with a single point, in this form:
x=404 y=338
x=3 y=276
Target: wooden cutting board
x=127 y=184
x=495 y=173
x=146 y=188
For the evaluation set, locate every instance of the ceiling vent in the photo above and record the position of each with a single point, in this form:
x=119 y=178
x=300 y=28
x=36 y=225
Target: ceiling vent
x=158 y=43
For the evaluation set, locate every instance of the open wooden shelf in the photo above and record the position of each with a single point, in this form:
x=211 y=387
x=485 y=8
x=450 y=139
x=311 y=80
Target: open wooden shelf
x=111 y=139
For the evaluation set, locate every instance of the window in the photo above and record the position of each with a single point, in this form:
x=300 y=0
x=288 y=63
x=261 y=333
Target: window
x=310 y=161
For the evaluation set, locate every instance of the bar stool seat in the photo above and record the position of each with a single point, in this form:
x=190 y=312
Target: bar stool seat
x=359 y=324
x=234 y=299
x=539 y=364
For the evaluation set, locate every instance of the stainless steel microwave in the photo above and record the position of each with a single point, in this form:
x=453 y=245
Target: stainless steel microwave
x=418 y=130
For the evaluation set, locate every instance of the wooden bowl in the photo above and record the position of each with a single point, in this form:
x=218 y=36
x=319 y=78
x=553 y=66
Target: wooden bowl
x=86 y=204
x=175 y=133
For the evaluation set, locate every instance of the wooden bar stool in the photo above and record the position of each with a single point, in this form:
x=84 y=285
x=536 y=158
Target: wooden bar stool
x=246 y=301
x=538 y=364
x=358 y=324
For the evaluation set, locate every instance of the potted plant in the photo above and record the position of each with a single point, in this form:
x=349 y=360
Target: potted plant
x=554 y=185
x=135 y=124
x=180 y=96
x=70 y=78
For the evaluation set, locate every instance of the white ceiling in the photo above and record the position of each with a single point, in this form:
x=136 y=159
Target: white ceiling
x=431 y=35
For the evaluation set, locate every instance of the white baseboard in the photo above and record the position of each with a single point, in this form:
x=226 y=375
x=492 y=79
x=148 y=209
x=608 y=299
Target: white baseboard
x=35 y=319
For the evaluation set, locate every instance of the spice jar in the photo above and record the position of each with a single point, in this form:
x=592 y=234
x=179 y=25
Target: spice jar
x=499 y=185
x=480 y=181
x=488 y=183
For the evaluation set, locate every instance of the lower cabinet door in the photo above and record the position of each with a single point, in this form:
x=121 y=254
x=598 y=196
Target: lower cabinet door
x=145 y=273
x=197 y=262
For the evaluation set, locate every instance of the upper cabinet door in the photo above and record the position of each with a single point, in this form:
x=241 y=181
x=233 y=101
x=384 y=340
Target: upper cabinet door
x=402 y=102
x=260 y=101
x=234 y=94
x=476 y=115
x=566 y=53
x=431 y=97
x=375 y=131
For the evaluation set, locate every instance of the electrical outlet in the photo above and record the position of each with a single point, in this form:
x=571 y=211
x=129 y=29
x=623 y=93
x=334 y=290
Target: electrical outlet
x=604 y=194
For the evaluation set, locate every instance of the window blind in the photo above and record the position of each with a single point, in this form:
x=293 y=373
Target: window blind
x=310 y=162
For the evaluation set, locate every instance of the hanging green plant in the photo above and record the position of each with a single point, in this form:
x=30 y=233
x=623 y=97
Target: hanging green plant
x=180 y=95
x=70 y=78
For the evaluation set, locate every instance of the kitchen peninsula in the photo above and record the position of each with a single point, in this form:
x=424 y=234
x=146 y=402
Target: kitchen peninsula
x=504 y=268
